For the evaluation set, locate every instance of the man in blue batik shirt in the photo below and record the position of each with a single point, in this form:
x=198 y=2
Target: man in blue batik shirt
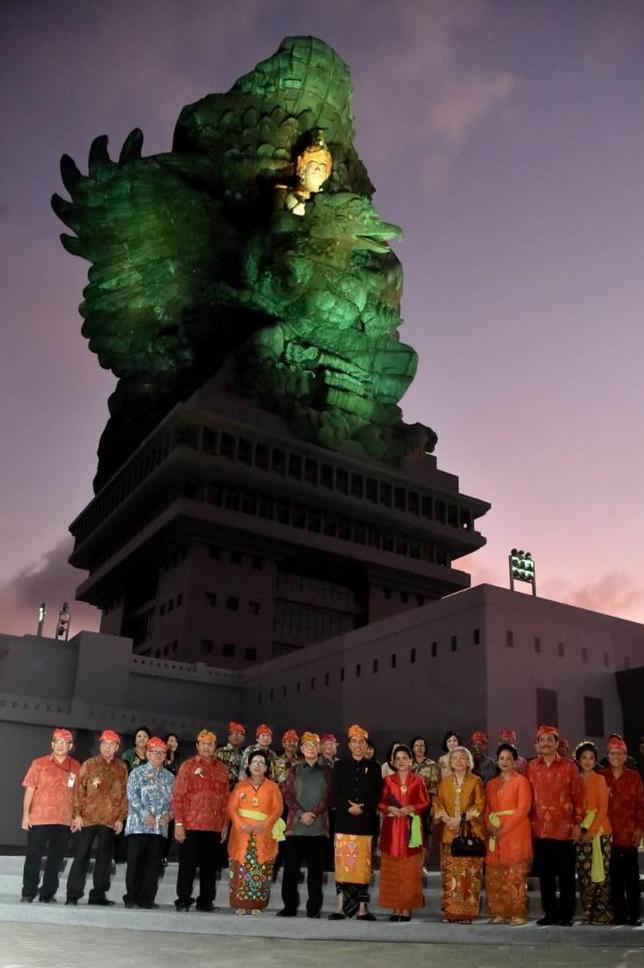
x=149 y=794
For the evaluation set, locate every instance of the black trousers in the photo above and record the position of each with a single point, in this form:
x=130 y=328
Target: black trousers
x=311 y=850
x=555 y=862
x=625 y=883
x=48 y=839
x=83 y=841
x=199 y=849
x=144 y=853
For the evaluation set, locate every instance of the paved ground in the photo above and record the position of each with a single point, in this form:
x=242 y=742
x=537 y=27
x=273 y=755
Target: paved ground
x=28 y=945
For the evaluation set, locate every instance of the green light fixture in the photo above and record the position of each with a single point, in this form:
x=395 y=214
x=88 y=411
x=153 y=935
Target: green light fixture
x=521 y=566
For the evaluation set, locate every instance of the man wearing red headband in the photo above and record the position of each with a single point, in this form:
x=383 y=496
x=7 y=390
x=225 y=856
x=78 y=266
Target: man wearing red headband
x=263 y=740
x=149 y=794
x=557 y=812
x=100 y=809
x=626 y=814
x=509 y=736
x=231 y=754
x=199 y=802
x=288 y=758
x=484 y=765
x=47 y=815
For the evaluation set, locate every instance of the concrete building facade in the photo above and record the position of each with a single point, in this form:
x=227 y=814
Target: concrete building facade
x=483 y=658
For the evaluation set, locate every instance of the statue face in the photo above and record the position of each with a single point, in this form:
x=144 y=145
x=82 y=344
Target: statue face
x=313 y=175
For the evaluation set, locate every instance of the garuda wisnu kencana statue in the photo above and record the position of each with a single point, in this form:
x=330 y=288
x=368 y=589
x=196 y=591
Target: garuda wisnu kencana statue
x=254 y=238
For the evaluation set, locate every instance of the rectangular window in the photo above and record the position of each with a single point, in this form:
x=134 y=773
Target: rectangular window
x=227 y=446
x=312 y=683
x=358 y=671
x=385 y=494
x=295 y=466
x=162 y=610
x=386 y=592
x=584 y=654
x=262 y=454
x=342 y=674
x=310 y=471
x=250 y=654
x=254 y=608
x=593 y=716
x=412 y=656
x=278 y=461
x=371 y=490
x=228 y=650
x=206 y=646
x=298 y=687
x=537 y=644
x=606 y=660
x=326 y=678
x=477 y=636
x=356 y=485
x=209 y=441
x=400 y=502
x=375 y=665
x=342 y=481
x=257 y=563
x=509 y=639
x=547 y=707
x=404 y=597
x=427 y=507
x=561 y=650
x=326 y=476
x=232 y=603
x=412 y=502
x=439 y=511
x=393 y=660
x=453 y=643
x=434 y=649
x=235 y=558
x=244 y=451
x=179 y=599
x=271 y=695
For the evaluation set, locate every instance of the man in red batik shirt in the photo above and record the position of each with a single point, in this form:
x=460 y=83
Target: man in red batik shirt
x=198 y=803
x=626 y=814
x=557 y=812
x=47 y=815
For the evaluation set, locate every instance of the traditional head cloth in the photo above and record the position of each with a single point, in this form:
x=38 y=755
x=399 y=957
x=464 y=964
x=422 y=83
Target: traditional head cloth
x=616 y=743
x=156 y=743
x=325 y=737
x=207 y=735
x=478 y=736
x=263 y=728
x=547 y=730
x=508 y=735
x=236 y=728
x=356 y=730
x=60 y=733
x=110 y=736
x=309 y=738
x=290 y=734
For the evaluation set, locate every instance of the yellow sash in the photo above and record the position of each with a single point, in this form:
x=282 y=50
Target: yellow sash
x=597 y=872
x=278 y=828
x=494 y=820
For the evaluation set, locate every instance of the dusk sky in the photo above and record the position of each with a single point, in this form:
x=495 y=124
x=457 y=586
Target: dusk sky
x=506 y=138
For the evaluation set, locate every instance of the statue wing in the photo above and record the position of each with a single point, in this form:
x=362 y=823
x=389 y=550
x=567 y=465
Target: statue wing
x=153 y=230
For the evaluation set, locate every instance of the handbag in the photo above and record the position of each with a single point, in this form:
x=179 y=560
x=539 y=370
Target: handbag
x=466 y=844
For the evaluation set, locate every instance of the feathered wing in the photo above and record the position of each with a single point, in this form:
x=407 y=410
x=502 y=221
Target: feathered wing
x=153 y=230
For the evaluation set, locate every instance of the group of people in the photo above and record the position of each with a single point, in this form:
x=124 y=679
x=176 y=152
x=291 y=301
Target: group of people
x=553 y=814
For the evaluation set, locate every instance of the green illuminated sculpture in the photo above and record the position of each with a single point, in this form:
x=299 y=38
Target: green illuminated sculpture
x=255 y=237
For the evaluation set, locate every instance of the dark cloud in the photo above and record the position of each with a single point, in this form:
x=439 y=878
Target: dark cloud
x=51 y=580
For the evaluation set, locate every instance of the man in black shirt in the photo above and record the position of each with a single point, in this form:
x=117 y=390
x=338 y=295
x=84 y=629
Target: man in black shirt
x=356 y=787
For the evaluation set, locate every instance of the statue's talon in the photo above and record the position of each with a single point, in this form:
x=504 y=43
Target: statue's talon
x=70 y=173
x=131 y=146
x=65 y=211
x=98 y=154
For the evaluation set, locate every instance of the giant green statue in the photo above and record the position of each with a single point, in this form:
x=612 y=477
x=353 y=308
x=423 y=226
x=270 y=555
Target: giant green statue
x=256 y=238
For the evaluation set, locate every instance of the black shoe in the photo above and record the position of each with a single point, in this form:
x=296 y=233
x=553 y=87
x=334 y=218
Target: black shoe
x=164 y=862
x=313 y=914
x=130 y=904
x=337 y=916
x=405 y=917
x=394 y=917
x=286 y=913
x=152 y=906
x=48 y=900
x=181 y=906
x=634 y=923
x=100 y=902
x=565 y=924
x=547 y=920
x=206 y=908
x=26 y=899
x=367 y=916
x=72 y=900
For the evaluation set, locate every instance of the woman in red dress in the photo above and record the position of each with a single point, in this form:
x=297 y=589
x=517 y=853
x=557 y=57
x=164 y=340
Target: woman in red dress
x=404 y=798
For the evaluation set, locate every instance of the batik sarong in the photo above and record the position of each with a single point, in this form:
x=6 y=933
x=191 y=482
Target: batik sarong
x=506 y=890
x=595 y=896
x=250 y=882
x=352 y=870
x=461 y=878
x=401 y=887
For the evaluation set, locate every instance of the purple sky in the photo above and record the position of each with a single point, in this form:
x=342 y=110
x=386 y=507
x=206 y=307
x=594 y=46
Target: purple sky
x=506 y=138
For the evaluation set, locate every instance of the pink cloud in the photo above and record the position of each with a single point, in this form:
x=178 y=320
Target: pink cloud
x=612 y=593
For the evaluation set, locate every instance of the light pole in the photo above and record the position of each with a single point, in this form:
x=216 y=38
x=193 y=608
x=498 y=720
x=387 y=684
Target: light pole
x=521 y=566
x=62 y=625
x=42 y=612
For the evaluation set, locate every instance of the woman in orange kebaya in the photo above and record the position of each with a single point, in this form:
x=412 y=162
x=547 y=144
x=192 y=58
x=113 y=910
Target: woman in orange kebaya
x=593 y=848
x=255 y=808
x=508 y=799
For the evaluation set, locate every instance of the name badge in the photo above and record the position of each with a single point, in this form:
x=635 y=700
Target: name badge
x=71 y=779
